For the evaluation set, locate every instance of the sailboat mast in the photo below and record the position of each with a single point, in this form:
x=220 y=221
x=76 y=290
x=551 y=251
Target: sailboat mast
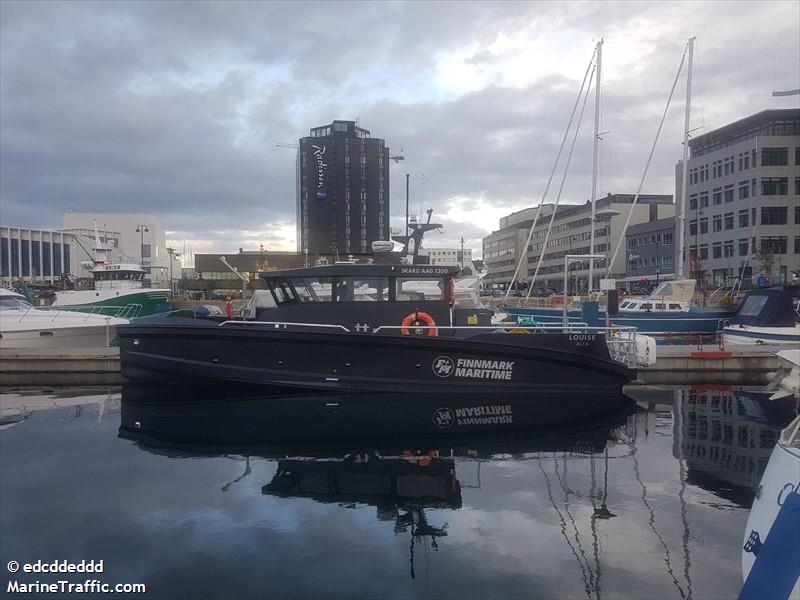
x=594 y=157
x=685 y=166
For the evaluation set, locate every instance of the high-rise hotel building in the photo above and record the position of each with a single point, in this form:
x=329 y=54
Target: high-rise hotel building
x=343 y=190
x=743 y=209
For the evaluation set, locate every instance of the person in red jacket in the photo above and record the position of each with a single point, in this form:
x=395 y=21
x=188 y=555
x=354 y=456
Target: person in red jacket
x=229 y=308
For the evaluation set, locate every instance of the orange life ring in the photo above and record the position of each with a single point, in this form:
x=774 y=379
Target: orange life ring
x=414 y=319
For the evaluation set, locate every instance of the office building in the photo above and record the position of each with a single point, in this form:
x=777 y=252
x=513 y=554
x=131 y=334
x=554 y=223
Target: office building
x=343 y=191
x=36 y=255
x=743 y=210
x=570 y=234
x=651 y=251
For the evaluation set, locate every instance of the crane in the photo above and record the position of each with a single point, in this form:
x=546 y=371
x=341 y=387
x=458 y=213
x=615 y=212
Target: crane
x=295 y=146
x=398 y=157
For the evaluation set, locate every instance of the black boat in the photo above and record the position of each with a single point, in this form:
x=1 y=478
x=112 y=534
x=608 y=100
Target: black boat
x=374 y=328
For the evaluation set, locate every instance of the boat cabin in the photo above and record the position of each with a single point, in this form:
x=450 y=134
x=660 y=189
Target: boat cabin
x=769 y=307
x=363 y=297
x=652 y=304
x=116 y=277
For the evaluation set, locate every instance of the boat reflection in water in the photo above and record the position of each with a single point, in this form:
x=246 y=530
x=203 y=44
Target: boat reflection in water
x=362 y=451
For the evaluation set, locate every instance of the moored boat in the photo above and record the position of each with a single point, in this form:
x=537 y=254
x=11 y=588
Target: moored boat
x=399 y=341
x=771 y=548
x=23 y=326
x=116 y=289
x=667 y=310
x=766 y=316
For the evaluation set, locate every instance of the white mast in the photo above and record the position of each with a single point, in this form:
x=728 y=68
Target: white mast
x=594 y=156
x=685 y=165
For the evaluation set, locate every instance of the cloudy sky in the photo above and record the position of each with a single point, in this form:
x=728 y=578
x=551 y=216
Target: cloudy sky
x=175 y=108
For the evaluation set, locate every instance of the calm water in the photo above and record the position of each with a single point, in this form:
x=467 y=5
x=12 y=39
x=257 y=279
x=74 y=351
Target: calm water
x=184 y=498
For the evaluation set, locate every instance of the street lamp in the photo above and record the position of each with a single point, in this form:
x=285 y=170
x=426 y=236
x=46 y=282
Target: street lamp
x=261 y=258
x=142 y=229
x=462 y=252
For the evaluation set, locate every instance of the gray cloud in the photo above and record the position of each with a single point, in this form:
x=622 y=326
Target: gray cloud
x=175 y=108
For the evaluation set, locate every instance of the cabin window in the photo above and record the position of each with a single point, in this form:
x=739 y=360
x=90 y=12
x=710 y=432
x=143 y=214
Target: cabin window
x=646 y=306
x=362 y=289
x=410 y=289
x=752 y=306
x=675 y=306
x=282 y=292
x=313 y=289
x=660 y=306
x=625 y=305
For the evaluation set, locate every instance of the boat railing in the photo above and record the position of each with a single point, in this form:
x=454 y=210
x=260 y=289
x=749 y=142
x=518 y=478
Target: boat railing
x=286 y=325
x=621 y=340
x=129 y=311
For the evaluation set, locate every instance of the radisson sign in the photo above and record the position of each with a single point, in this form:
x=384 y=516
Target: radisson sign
x=319 y=153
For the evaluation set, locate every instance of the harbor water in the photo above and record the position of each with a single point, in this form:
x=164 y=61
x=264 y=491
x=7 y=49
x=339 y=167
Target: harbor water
x=647 y=504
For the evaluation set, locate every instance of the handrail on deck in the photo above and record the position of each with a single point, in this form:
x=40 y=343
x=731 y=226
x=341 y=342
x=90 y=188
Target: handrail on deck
x=279 y=324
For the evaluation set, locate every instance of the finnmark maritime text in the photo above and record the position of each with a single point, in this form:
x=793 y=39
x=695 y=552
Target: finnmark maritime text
x=484 y=369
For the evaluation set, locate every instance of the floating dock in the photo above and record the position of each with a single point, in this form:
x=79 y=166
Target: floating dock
x=734 y=365
x=85 y=366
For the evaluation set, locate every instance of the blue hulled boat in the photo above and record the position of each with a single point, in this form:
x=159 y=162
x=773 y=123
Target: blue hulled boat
x=667 y=310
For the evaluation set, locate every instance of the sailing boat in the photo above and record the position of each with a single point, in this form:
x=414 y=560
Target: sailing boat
x=667 y=310
x=117 y=288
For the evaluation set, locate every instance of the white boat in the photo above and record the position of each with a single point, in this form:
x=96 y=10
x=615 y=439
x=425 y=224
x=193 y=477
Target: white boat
x=23 y=326
x=116 y=289
x=766 y=316
x=771 y=547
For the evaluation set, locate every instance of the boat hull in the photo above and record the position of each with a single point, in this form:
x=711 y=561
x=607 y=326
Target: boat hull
x=752 y=335
x=485 y=365
x=81 y=336
x=667 y=322
x=771 y=545
x=116 y=302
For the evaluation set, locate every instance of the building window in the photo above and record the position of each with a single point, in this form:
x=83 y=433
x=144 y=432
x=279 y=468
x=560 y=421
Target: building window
x=703 y=251
x=744 y=190
x=774 y=215
x=716 y=198
x=744 y=246
x=716 y=250
x=704 y=200
x=693 y=202
x=667 y=238
x=744 y=218
x=729 y=194
x=774 y=186
x=797 y=215
x=692 y=229
x=717 y=223
x=797 y=155
x=728 y=220
x=774 y=157
x=728 y=249
x=797 y=186
x=704 y=225
x=774 y=244
x=797 y=244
